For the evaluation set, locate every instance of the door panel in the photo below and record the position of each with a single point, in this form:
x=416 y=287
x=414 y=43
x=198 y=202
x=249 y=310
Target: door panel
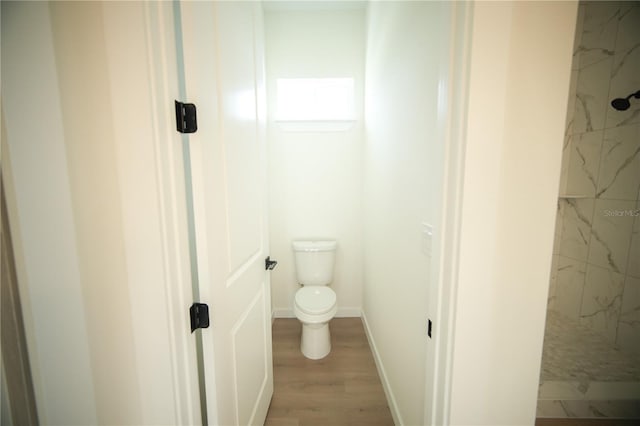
x=223 y=76
x=249 y=342
x=237 y=82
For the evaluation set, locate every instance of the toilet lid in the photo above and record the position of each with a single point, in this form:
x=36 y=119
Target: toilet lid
x=315 y=299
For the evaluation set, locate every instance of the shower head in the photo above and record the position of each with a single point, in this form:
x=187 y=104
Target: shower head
x=623 y=104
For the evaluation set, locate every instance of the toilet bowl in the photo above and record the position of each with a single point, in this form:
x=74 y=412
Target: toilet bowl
x=315 y=304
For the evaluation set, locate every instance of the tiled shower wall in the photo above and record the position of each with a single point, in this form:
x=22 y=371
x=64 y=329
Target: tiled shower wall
x=596 y=270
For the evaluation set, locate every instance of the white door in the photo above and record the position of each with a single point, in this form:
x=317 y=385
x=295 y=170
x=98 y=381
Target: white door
x=224 y=76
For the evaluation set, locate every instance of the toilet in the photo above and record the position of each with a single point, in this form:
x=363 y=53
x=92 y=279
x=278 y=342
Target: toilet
x=315 y=303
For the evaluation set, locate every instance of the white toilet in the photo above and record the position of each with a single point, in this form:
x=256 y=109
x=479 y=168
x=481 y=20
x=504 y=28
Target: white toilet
x=315 y=303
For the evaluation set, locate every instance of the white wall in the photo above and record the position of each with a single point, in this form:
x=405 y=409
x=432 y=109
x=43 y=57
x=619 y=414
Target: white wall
x=403 y=161
x=519 y=82
x=102 y=277
x=48 y=259
x=315 y=178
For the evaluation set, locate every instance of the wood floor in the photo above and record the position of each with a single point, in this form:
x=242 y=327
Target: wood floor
x=342 y=389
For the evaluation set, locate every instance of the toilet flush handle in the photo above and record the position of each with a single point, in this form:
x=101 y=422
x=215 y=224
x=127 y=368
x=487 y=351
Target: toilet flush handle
x=270 y=264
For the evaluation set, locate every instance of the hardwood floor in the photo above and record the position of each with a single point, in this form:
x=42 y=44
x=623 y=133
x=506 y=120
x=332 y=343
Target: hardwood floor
x=342 y=389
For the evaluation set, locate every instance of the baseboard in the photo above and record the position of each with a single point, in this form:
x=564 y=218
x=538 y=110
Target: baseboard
x=349 y=313
x=344 y=312
x=283 y=313
x=393 y=406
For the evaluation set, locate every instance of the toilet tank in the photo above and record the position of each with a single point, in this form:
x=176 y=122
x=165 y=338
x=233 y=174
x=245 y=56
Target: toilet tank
x=314 y=261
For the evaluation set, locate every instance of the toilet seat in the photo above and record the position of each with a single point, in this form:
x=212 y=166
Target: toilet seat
x=315 y=306
x=315 y=300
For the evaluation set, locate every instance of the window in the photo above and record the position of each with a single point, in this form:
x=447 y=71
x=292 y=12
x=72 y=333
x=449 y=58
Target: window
x=315 y=99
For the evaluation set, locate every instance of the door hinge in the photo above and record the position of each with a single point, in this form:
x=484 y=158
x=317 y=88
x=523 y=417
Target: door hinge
x=429 y=326
x=270 y=264
x=186 y=121
x=199 y=313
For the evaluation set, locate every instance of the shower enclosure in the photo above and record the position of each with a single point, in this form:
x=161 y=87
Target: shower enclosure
x=591 y=355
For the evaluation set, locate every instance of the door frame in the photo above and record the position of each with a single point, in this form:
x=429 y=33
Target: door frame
x=452 y=114
x=452 y=111
x=168 y=159
x=493 y=112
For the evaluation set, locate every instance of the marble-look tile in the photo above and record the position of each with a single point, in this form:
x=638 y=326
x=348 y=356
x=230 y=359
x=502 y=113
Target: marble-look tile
x=564 y=164
x=612 y=390
x=558 y=389
x=571 y=103
x=601 y=301
x=558 y=228
x=628 y=32
x=584 y=163
x=633 y=264
x=592 y=96
x=573 y=352
x=589 y=409
x=570 y=280
x=611 y=234
x=550 y=409
x=629 y=323
x=625 y=78
x=551 y=297
x=579 y=408
x=576 y=227
x=619 y=176
x=575 y=61
x=599 y=30
x=621 y=409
